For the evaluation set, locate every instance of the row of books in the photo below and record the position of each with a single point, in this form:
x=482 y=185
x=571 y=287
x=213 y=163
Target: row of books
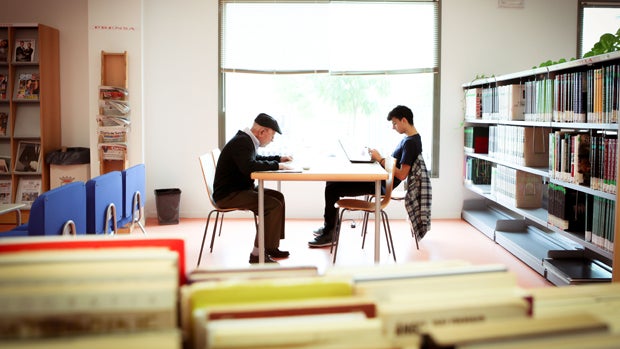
x=505 y=102
x=516 y=188
x=89 y=292
x=603 y=229
x=584 y=158
x=130 y=292
x=584 y=96
x=414 y=305
x=477 y=171
x=526 y=146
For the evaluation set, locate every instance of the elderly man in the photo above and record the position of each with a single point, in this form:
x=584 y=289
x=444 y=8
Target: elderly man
x=234 y=188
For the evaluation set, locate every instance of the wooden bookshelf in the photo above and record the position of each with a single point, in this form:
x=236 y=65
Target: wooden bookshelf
x=30 y=98
x=562 y=105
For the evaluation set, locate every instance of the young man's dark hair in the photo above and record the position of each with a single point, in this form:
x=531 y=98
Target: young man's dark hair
x=401 y=112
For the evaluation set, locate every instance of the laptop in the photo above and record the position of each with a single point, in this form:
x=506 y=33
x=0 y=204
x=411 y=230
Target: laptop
x=355 y=152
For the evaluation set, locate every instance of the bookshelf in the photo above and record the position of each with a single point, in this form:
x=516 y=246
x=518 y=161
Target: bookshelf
x=113 y=119
x=30 y=124
x=546 y=188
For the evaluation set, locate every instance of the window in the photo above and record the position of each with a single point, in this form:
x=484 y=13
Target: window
x=330 y=69
x=595 y=19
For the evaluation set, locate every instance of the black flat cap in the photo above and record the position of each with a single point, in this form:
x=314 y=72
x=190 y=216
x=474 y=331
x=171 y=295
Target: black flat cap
x=267 y=121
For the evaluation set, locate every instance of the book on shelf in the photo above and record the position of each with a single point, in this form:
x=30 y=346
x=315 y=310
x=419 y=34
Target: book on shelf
x=4 y=50
x=498 y=332
x=511 y=100
x=113 y=93
x=253 y=272
x=4 y=123
x=24 y=50
x=28 y=190
x=347 y=330
x=477 y=139
x=4 y=86
x=70 y=243
x=200 y=295
x=27 y=86
x=6 y=187
x=473 y=104
x=28 y=157
x=278 y=311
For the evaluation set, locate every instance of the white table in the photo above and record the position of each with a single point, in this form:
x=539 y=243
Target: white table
x=7 y=208
x=336 y=169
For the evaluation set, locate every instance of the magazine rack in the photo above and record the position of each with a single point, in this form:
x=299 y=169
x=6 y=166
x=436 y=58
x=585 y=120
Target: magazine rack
x=113 y=106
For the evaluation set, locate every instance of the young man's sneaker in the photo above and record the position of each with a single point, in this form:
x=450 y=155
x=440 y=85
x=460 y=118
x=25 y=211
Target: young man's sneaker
x=319 y=231
x=321 y=241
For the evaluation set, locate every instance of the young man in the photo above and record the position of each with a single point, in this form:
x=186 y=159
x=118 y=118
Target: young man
x=405 y=154
x=234 y=188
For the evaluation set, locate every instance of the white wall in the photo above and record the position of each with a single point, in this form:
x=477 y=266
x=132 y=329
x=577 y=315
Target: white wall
x=179 y=80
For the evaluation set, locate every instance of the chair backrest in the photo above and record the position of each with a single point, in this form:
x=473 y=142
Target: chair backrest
x=207 y=165
x=134 y=193
x=104 y=202
x=54 y=210
x=216 y=155
x=390 y=166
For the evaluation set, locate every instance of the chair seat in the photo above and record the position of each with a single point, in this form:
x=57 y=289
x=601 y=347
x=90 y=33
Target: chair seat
x=356 y=205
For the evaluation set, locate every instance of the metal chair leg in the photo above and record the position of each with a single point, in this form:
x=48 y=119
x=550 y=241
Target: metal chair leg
x=204 y=237
x=336 y=237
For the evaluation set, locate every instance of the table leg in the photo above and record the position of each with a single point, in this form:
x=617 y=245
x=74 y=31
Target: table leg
x=377 y=219
x=261 y=221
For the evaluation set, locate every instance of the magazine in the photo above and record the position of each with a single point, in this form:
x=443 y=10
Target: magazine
x=4 y=85
x=28 y=190
x=28 y=157
x=4 y=123
x=5 y=191
x=24 y=50
x=4 y=50
x=27 y=86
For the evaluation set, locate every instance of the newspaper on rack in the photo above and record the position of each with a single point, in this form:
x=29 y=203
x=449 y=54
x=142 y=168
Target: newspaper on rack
x=112 y=134
x=113 y=93
x=113 y=151
x=110 y=120
x=114 y=108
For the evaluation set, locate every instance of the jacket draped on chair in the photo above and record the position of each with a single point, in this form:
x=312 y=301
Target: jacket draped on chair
x=419 y=197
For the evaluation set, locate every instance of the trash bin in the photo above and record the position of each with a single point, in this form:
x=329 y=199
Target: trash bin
x=68 y=165
x=167 y=204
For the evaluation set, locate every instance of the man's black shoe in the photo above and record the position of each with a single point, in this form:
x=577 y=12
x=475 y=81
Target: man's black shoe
x=254 y=259
x=277 y=253
x=321 y=241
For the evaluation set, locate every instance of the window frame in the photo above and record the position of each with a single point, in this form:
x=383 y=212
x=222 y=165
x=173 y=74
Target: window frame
x=434 y=147
x=581 y=5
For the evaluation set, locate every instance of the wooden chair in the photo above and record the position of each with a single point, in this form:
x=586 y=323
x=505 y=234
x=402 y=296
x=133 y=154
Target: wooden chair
x=208 y=163
x=368 y=206
x=397 y=195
